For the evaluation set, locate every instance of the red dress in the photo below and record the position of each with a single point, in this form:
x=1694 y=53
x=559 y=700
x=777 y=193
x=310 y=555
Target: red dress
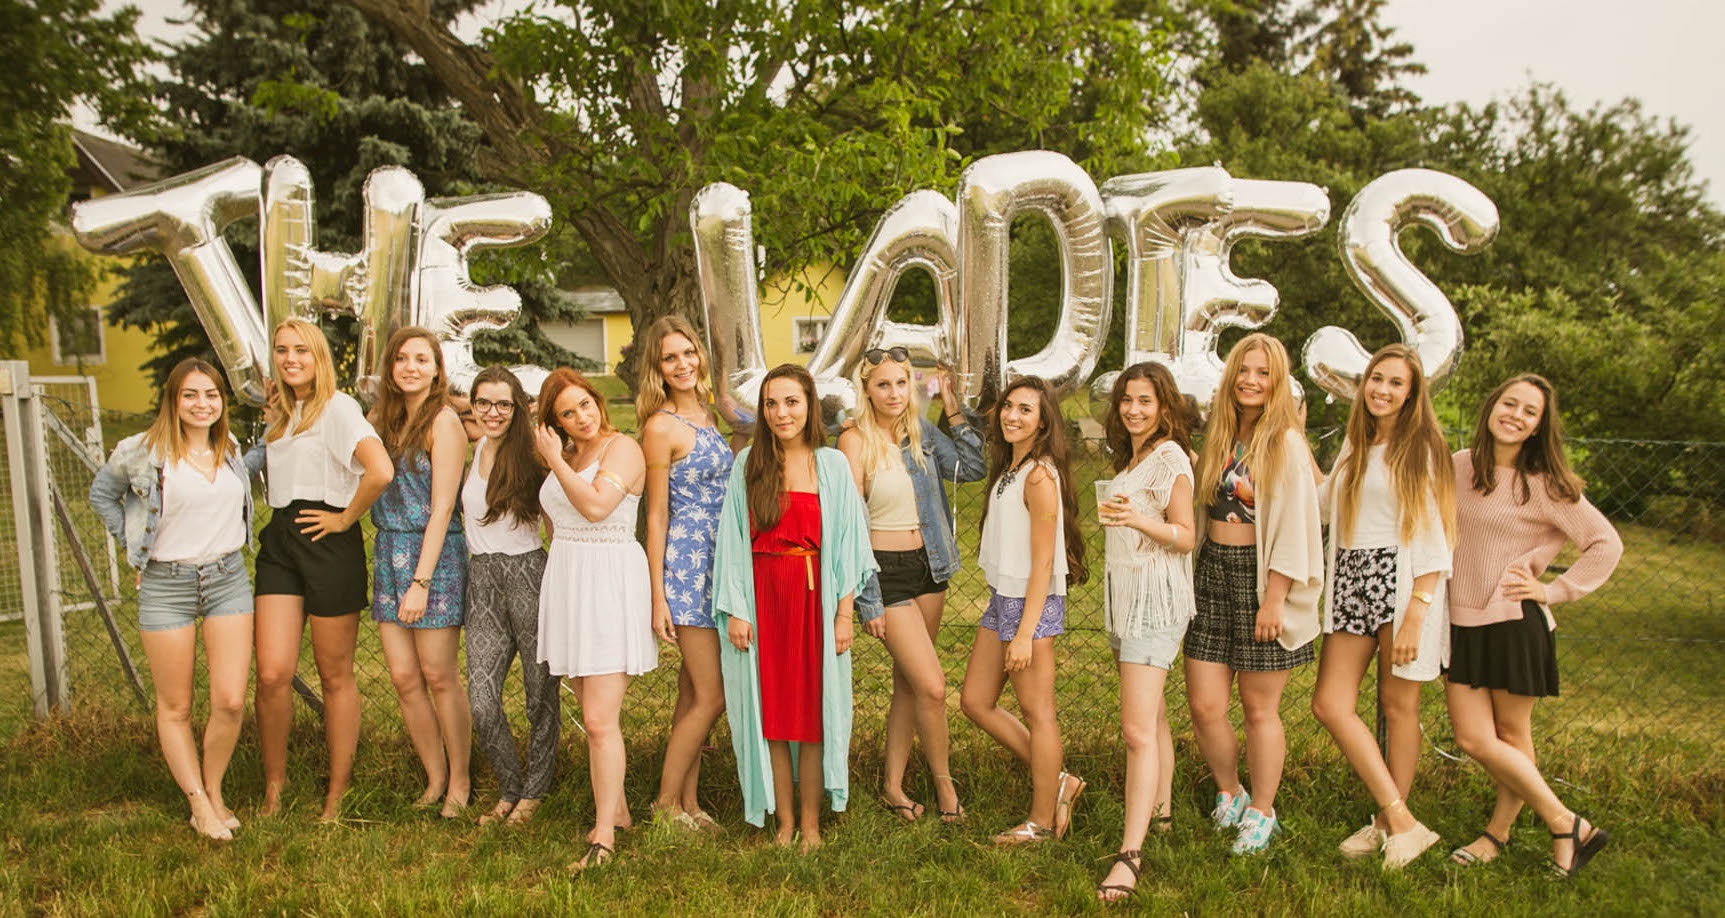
x=788 y=627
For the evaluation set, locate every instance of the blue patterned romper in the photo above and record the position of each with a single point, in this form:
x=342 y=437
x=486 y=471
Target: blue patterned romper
x=697 y=488
x=401 y=515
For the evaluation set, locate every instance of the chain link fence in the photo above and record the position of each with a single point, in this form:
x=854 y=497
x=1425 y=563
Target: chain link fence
x=1643 y=659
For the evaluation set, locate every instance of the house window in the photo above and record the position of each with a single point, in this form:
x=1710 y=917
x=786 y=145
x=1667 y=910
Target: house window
x=808 y=332
x=78 y=339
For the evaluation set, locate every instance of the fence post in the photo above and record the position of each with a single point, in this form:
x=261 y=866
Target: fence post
x=44 y=641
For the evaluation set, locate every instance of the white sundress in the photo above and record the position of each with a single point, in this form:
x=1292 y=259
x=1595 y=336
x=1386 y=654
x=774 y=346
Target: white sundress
x=596 y=602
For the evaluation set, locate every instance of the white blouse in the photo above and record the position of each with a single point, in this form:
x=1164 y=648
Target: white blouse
x=503 y=536
x=201 y=520
x=318 y=464
x=1149 y=587
x=1005 y=555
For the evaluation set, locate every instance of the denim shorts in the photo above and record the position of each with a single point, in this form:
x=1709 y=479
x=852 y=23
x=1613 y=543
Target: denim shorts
x=175 y=594
x=1158 y=649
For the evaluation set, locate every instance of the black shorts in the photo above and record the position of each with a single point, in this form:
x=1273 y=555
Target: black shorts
x=330 y=573
x=905 y=575
x=1518 y=657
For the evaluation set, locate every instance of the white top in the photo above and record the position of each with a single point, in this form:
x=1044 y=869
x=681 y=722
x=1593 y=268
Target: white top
x=504 y=536
x=1149 y=586
x=892 y=497
x=319 y=464
x=1377 y=524
x=1005 y=555
x=201 y=520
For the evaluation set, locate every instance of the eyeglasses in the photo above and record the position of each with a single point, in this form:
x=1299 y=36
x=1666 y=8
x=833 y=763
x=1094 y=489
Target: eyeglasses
x=875 y=355
x=486 y=406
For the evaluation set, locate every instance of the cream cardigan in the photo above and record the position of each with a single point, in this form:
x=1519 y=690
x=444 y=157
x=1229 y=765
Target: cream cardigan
x=1290 y=539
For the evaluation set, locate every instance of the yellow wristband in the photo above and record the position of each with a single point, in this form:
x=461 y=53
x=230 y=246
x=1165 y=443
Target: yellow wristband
x=1422 y=596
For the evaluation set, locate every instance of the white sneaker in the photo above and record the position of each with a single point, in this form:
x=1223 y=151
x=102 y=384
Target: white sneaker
x=1255 y=831
x=1366 y=841
x=1226 y=814
x=1400 y=850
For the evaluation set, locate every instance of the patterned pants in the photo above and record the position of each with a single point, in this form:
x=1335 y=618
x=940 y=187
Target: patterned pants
x=503 y=622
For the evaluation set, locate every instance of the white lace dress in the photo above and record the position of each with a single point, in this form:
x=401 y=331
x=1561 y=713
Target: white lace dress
x=596 y=603
x=1149 y=587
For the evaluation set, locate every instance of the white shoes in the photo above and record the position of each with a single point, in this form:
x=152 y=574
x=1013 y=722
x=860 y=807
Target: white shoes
x=1365 y=842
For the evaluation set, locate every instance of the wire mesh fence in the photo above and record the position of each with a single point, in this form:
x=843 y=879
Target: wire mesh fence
x=1643 y=659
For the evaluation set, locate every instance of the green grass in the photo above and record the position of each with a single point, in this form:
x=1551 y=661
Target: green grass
x=90 y=822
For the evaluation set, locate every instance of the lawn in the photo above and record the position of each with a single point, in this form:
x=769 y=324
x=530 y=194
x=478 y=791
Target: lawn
x=90 y=823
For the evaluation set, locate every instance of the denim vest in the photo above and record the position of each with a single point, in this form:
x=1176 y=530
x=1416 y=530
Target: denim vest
x=127 y=494
x=958 y=458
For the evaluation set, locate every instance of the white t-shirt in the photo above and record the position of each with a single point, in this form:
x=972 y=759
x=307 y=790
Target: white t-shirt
x=319 y=464
x=201 y=520
x=504 y=536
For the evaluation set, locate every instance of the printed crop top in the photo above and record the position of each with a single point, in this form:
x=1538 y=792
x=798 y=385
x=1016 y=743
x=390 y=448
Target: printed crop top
x=1236 y=499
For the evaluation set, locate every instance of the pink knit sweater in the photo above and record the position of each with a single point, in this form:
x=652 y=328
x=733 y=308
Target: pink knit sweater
x=1495 y=533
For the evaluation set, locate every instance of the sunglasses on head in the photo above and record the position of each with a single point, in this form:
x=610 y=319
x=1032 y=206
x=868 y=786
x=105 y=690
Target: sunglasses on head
x=875 y=355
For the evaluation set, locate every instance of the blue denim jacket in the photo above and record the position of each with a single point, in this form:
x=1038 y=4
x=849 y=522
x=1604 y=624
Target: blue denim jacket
x=127 y=494
x=956 y=458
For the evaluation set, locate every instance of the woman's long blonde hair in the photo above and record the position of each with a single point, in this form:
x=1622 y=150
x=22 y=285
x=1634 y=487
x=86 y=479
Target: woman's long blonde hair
x=651 y=390
x=166 y=437
x=283 y=399
x=1265 y=454
x=1416 y=454
x=881 y=441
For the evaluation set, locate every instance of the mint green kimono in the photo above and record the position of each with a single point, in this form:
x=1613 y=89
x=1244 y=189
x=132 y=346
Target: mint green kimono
x=846 y=562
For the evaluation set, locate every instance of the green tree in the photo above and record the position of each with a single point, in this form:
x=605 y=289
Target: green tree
x=826 y=112
x=316 y=80
x=57 y=53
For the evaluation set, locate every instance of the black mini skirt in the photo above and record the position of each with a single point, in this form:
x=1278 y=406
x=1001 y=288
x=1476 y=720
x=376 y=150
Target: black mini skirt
x=1519 y=657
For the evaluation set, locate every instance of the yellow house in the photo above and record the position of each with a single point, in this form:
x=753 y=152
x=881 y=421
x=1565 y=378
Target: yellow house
x=91 y=345
x=792 y=320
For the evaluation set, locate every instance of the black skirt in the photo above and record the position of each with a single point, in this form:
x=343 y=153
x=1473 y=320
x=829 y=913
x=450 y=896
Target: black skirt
x=1519 y=657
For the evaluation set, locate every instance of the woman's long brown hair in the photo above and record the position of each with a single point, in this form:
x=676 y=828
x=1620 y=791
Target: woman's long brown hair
x=1049 y=444
x=765 y=468
x=513 y=486
x=165 y=438
x=1417 y=456
x=402 y=433
x=1175 y=416
x=560 y=379
x=1540 y=454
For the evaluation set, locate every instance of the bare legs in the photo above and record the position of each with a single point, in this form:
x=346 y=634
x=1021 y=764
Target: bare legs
x=1341 y=667
x=811 y=779
x=1035 y=740
x=700 y=701
x=424 y=669
x=1149 y=760
x=279 y=623
x=172 y=654
x=1208 y=686
x=1489 y=726
x=918 y=707
x=601 y=700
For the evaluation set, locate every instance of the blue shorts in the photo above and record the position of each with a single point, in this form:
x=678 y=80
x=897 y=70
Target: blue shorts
x=175 y=594
x=1005 y=612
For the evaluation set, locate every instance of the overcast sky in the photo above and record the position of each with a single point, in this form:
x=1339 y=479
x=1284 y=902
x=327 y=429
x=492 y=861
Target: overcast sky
x=1665 y=52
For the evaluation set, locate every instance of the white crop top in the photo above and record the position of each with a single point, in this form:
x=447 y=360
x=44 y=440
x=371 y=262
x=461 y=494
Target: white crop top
x=1005 y=555
x=319 y=464
x=202 y=520
x=892 y=498
x=503 y=536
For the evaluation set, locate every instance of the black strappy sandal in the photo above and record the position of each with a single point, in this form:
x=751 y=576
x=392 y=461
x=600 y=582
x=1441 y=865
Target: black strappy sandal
x=909 y=812
x=1580 y=851
x=597 y=855
x=1467 y=858
x=1134 y=862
